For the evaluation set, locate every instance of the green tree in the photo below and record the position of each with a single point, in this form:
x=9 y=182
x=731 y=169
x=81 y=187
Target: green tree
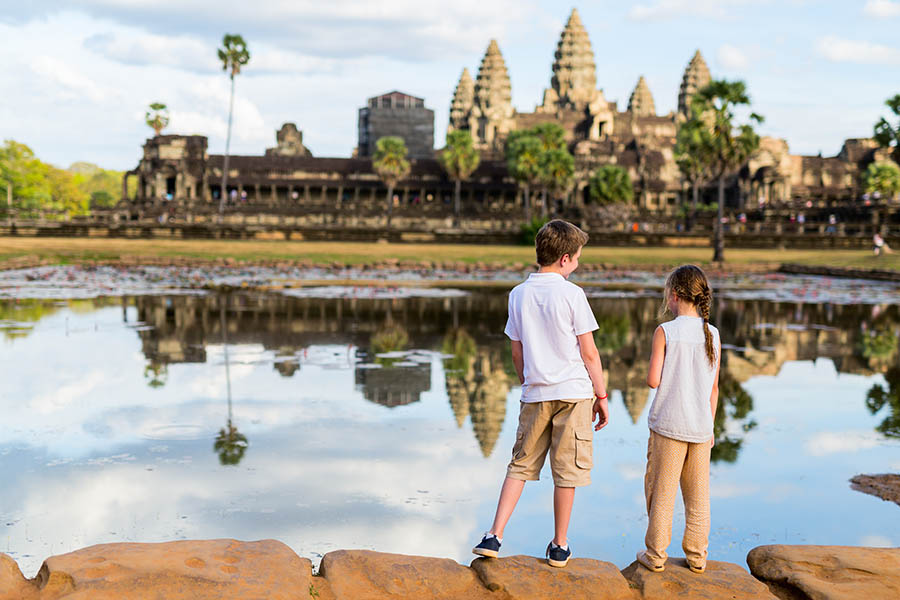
x=883 y=178
x=691 y=142
x=728 y=144
x=104 y=186
x=610 y=184
x=27 y=176
x=552 y=135
x=230 y=445
x=557 y=168
x=879 y=397
x=523 y=156
x=67 y=198
x=391 y=166
x=157 y=117
x=234 y=55
x=887 y=135
x=459 y=159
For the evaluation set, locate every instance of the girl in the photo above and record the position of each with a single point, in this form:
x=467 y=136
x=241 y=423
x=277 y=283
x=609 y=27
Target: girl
x=684 y=369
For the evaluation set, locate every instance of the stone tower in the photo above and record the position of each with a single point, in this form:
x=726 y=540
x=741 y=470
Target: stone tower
x=492 y=112
x=574 y=82
x=463 y=102
x=696 y=77
x=641 y=102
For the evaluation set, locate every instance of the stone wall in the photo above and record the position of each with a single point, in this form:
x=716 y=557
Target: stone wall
x=200 y=570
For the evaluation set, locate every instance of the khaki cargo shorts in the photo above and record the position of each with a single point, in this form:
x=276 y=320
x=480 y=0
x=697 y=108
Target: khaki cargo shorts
x=564 y=428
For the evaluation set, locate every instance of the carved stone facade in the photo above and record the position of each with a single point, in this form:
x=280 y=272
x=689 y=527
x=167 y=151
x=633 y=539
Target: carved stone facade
x=597 y=132
x=396 y=114
x=290 y=142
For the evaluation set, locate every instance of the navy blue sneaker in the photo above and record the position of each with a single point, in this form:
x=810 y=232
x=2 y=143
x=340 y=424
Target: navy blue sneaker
x=556 y=556
x=489 y=546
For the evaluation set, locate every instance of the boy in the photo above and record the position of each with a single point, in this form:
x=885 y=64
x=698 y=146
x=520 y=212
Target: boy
x=550 y=328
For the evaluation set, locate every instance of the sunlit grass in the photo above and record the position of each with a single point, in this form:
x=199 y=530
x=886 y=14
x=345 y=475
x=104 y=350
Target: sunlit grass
x=76 y=250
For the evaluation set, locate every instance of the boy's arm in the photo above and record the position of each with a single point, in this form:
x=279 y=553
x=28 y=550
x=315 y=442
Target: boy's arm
x=657 y=354
x=714 y=396
x=591 y=358
x=518 y=360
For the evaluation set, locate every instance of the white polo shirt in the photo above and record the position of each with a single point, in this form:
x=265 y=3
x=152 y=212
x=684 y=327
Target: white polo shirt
x=546 y=313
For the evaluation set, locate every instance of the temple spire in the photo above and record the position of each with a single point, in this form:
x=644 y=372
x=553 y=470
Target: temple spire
x=463 y=101
x=696 y=77
x=574 y=81
x=491 y=116
x=641 y=102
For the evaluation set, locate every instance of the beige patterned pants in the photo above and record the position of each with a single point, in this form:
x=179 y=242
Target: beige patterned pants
x=668 y=463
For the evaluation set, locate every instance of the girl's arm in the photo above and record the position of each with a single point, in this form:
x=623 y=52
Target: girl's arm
x=657 y=354
x=714 y=396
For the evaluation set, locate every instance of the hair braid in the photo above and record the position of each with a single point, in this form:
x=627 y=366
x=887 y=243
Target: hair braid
x=703 y=300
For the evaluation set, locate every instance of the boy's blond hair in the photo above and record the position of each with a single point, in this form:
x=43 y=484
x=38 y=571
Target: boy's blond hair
x=556 y=239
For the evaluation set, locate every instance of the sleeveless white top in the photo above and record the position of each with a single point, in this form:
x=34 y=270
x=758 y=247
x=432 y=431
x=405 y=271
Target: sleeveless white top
x=681 y=408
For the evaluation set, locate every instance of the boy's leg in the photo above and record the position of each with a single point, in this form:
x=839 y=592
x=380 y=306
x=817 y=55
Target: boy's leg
x=571 y=459
x=563 y=499
x=509 y=497
x=665 y=459
x=695 y=491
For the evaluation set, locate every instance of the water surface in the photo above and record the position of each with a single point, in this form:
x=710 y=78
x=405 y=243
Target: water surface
x=364 y=419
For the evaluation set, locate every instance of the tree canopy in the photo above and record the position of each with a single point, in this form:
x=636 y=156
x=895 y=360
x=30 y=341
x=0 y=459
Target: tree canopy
x=390 y=161
x=459 y=157
x=233 y=53
x=887 y=135
x=883 y=178
x=157 y=117
x=610 y=184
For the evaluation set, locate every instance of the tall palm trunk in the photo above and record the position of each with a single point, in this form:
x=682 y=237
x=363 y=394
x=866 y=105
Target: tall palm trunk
x=456 y=194
x=224 y=190
x=544 y=203
x=695 y=193
x=390 y=203
x=719 y=252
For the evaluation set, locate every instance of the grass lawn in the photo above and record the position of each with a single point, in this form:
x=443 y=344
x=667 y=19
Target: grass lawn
x=74 y=250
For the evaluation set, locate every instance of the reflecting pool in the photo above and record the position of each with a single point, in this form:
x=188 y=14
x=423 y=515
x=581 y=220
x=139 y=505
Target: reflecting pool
x=345 y=418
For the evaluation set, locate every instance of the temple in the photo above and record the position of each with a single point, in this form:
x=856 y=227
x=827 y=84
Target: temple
x=288 y=178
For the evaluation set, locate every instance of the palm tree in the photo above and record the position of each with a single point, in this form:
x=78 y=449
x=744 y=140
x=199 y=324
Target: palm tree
x=552 y=135
x=690 y=143
x=557 y=168
x=610 y=184
x=157 y=117
x=523 y=155
x=234 y=55
x=230 y=444
x=391 y=165
x=883 y=178
x=886 y=135
x=460 y=159
x=728 y=145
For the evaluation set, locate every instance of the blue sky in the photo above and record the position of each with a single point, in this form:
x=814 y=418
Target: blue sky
x=78 y=75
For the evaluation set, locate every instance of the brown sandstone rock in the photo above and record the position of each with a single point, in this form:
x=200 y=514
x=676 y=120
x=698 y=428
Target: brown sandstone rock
x=364 y=574
x=526 y=577
x=721 y=580
x=826 y=572
x=886 y=487
x=194 y=570
x=13 y=585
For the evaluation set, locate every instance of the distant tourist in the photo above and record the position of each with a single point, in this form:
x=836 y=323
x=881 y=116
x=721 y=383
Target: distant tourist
x=550 y=327
x=880 y=246
x=684 y=369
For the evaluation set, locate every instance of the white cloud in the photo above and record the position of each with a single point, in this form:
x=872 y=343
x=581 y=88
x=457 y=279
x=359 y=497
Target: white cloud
x=70 y=81
x=671 y=9
x=838 y=49
x=732 y=57
x=882 y=8
x=135 y=48
x=833 y=442
x=731 y=490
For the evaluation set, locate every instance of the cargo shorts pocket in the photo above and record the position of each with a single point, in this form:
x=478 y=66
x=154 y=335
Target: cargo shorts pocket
x=518 y=450
x=584 y=448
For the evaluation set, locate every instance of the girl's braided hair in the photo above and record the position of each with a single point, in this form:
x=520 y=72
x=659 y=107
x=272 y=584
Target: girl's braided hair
x=689 y=284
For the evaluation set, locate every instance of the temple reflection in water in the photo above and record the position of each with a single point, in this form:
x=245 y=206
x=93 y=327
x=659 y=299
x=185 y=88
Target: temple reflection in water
x=391 y=343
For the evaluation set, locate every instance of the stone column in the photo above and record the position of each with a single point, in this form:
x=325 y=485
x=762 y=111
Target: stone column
x=273 y=195
x=306 y=195
x=256 y=195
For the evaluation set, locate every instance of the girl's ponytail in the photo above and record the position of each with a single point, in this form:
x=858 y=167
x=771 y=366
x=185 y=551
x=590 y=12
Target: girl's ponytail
x=703 y=300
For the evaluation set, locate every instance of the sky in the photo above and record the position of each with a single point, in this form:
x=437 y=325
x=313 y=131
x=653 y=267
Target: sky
x=77 y=75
